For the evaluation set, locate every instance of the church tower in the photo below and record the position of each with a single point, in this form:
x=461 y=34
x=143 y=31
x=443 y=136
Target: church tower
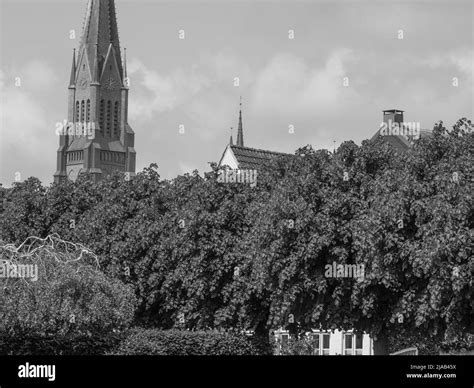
x=98 y=138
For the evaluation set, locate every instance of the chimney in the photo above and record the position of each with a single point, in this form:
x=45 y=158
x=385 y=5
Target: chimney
x=393 y=115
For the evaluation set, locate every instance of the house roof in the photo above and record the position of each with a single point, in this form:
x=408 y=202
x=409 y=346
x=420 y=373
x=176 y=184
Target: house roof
x=400 y=142
x=253 y=157
x=424 y=133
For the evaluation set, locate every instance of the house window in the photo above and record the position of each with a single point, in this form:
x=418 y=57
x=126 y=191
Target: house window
x=358 y=343
x=353 y=344
x=316 y=344
x=284 y=342
x=325 y=348
x=348 y=350
x=320 y=343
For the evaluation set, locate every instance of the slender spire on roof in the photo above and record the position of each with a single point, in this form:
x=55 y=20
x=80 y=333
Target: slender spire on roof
x=72 y=81
x=240 y=131
x=231 y=141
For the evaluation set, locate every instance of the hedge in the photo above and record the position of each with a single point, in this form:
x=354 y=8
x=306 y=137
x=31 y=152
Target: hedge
x=49 y=345
x=142 y=341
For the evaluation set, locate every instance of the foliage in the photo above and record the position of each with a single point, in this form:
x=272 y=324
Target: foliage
x=59 y=345
x=302 y=346
x=68 y=297
x=234 y=256
x=179 y=343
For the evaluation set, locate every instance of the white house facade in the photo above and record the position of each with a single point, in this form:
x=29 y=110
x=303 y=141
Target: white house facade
x=326 y=343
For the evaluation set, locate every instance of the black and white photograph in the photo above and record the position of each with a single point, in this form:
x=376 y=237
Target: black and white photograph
x=249 y=185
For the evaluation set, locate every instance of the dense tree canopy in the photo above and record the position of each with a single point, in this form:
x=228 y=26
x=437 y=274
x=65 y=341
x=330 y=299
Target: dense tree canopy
x=204 y=254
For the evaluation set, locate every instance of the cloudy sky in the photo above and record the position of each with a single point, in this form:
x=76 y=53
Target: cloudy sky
x=283 y=81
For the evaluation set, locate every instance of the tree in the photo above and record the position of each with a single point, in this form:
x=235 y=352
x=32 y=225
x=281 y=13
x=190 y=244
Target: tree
x=204 y=254
x=52 y=287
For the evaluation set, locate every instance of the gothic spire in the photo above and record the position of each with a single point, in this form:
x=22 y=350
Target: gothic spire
x=100 y=28
x=72 y=80
x=240 y=131
x=231 y=142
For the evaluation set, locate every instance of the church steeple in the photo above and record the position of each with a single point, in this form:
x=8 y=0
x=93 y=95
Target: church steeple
x=97 y=102
x=100 y=28
x=240 y=131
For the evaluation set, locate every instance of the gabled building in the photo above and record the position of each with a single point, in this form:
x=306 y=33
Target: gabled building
x=97 y=138
x=238 y=156
x=398 y=133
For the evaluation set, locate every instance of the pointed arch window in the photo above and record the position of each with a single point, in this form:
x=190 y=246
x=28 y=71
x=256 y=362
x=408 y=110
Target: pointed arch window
x=101 y=116
x=116 y=118
x=77 y=111
x=88 y=111
x=109 y=117
x=82 y=111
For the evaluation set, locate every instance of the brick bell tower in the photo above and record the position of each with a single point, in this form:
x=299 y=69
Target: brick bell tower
x=98 y=99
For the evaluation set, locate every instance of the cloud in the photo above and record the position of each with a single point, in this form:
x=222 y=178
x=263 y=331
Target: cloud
x=213 y=113
x=23 y=125
x=461 y=59
x=157 y=92
x=289 y=86
x=186 y=168
x=37 y=75
x=224 y=66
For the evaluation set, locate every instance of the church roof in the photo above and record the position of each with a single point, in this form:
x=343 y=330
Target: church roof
x=253 y=157
x=83 y=142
